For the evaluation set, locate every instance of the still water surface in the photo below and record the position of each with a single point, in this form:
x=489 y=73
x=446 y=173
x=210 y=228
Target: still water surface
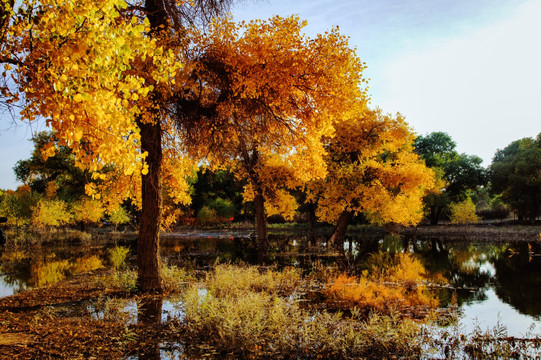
x=491 y=283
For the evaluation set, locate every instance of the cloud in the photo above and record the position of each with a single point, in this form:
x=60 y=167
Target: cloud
x=482 y=88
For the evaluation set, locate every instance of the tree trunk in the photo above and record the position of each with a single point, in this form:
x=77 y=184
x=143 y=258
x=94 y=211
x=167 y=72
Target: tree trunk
x=261 y=222
x=341 y=228
x=312 y=219
x=148 y=243
x=435 y=214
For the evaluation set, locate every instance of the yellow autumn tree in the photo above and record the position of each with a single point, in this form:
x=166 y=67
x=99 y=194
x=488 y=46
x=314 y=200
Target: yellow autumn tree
x=119 y=216
x=51 y=213
x=87 y=211
x=100 y=73
x=464 y=212
x=272 y=93
x=371 y=169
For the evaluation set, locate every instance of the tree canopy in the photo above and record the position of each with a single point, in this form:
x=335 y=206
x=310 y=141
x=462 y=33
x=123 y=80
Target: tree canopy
x=273 y=93
x=460 y=174
x=372 y=170
x=514 y=173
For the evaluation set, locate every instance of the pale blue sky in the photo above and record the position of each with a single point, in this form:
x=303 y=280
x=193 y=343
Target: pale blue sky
x=469 y=68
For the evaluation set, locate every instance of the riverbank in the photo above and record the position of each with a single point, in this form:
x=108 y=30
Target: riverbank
x=488 y=232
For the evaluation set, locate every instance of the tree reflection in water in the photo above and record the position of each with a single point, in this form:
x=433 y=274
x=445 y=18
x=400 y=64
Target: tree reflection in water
x=472 y=268
x=149 y=315
x=518 y=279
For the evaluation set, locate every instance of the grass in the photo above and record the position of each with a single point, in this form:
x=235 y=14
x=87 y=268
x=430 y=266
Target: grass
x=234 y=311
x=255 y=314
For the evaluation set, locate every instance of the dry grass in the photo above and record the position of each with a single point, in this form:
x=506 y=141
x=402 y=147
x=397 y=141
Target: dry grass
x=246 y=312
x=229 y=280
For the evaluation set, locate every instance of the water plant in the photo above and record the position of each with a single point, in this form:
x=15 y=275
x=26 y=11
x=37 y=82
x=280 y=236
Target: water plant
x=175 y=278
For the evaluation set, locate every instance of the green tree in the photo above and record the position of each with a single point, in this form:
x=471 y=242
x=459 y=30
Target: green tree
x=514 y=173
x=60 y=169
x=212 y=185
x=461 y=173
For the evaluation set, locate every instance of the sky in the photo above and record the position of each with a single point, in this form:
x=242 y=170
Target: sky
x=469 y=68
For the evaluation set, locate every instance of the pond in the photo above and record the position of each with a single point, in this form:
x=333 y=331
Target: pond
x=492 y=284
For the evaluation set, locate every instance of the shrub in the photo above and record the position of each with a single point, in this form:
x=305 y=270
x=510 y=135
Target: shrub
x=51 y=213
x=17 y=205
x=464 y=212
x=88 y=211
x=207 y=216
x=124 y=280
x=174 y=278
x=224 y=208
x=119 y=216
x=117 y=256
x=229 y=280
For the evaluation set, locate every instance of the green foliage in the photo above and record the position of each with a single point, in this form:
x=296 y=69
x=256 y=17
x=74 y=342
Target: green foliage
x=216 y=211
x=17 y=205
x=461 y=173
x=224 y=207
x=218 y=190
x=464 y=212
x=436 y=148
x=59 y=169
x=117 y=256
x=207 y=216
x=514 y=173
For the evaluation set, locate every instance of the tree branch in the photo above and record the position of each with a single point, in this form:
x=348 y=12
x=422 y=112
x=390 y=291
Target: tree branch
x=8 y=60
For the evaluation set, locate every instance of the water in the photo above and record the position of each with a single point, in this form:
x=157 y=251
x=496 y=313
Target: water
x=492 y=284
